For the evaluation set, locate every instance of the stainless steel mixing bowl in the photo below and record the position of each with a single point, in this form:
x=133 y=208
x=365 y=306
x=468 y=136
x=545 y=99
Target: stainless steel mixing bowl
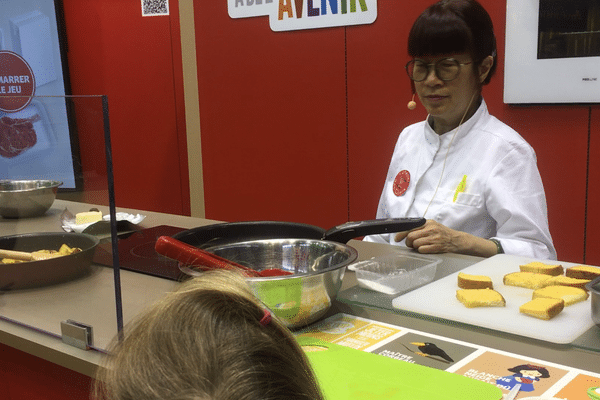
x=299 y=299
x=594 y=288
x=26 y=198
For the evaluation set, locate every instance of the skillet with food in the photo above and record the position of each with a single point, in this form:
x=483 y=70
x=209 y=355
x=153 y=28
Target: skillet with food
x=48 y=271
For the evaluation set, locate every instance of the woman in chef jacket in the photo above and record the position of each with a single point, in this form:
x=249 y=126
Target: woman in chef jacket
x=471 y=176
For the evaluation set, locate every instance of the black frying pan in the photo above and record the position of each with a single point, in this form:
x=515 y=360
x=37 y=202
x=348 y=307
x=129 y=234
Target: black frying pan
x=32 y=274
x=235 y=232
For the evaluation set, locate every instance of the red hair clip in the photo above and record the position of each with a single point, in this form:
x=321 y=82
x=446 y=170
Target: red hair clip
x=266 y=319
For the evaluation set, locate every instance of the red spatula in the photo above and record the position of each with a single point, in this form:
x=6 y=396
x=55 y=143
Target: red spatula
x=191 y=255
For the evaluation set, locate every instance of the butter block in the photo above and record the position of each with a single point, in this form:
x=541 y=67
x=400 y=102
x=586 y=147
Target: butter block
x=88 y=217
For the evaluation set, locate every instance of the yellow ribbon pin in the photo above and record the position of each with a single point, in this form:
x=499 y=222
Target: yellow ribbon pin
x=460 y=188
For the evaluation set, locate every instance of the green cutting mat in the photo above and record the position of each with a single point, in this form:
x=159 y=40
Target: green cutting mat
x=345 y=373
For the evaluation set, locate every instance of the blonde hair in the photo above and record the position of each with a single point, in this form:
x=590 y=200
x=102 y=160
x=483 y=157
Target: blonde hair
x=205 y=341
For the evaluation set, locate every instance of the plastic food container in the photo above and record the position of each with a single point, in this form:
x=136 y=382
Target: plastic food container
x=395 y=273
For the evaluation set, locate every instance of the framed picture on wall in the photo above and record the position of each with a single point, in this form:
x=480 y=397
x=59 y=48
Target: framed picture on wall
x=36 y=136
x=552 y=51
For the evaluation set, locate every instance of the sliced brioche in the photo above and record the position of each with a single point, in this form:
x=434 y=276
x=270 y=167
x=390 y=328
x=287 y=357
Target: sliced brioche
x=570 y=295
x=566 y=281
x=541 y=268
x=480 y=298
x=543 y=308
x=583 y=272
x=529 y=280
x=466 y=281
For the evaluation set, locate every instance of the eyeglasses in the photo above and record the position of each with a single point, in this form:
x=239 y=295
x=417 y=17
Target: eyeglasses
x=445 y=69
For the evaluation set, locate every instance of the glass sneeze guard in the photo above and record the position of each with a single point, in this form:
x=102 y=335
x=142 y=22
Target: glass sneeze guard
x=66 y=139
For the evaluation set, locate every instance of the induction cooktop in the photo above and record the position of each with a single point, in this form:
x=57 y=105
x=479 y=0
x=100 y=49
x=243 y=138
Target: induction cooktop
x=137 y=254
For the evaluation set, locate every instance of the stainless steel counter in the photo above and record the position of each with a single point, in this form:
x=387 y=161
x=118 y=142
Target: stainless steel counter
x=91 y=299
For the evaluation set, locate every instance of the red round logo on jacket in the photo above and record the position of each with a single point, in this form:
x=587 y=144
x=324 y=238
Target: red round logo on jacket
x=401 y=182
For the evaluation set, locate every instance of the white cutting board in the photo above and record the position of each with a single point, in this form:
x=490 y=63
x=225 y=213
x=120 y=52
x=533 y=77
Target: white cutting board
x=438 y=299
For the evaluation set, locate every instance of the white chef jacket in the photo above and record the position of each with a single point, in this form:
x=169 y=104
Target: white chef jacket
x=502 y=196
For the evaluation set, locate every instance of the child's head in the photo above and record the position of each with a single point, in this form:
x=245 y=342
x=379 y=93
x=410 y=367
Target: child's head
x=206 y=341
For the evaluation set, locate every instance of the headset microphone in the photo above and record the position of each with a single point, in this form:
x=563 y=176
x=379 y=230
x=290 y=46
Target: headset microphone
x=412 y=104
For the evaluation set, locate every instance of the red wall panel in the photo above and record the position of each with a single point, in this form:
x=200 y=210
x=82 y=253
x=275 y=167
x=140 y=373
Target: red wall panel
x=593 y=209
x=115 y=51
x=273 y=120
x=23 y=376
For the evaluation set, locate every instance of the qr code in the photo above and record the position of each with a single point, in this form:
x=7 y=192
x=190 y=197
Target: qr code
x=155 y=7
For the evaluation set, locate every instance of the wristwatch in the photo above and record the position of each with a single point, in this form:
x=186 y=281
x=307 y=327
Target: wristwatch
x=498 y=246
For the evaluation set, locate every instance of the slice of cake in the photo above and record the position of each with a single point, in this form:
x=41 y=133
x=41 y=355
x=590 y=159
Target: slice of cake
x=467 y=281
x=529 y=280
x=583 y=272
x=566 y=281
x=480 y=298
x=541 y=268
x=543 y=308
x=570 y=295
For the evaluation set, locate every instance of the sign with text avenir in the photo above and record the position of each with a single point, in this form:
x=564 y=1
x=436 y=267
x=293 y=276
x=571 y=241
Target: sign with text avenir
x=289 y=15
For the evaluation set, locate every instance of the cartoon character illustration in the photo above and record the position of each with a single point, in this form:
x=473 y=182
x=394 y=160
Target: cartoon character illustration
x=525 y=374
x=430 y=350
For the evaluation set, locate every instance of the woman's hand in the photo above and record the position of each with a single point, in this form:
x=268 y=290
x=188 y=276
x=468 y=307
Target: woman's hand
x=433 y=237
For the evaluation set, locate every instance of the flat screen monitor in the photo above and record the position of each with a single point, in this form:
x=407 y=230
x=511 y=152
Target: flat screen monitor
x=36 y=139
x=552 y=51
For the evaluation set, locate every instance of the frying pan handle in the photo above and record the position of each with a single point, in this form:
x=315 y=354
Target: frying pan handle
x=350 y=230
x=190 y=255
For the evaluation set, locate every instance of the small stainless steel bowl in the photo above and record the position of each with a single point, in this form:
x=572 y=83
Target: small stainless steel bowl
x=594 y=288
x=26 y=198
x=299 y=299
